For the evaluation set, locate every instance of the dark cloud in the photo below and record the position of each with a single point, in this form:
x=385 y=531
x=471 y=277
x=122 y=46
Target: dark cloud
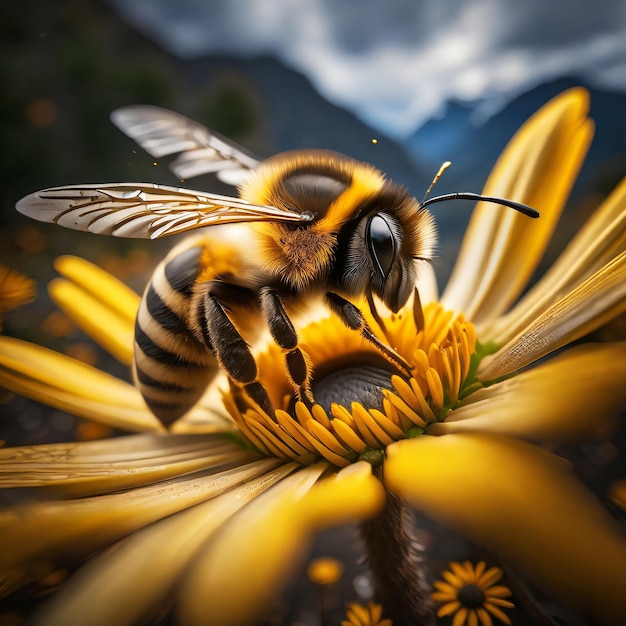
x=395 y=63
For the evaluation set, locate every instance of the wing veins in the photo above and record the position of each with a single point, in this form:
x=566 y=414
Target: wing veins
x=162 y=132
x=144 y=209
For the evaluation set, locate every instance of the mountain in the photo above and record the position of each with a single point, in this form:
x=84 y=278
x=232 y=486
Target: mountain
x=85 y=63
x=295 y=116
x=474 y=148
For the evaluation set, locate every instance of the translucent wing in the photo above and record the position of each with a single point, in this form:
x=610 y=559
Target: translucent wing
x=143 y=210
x=161 y=132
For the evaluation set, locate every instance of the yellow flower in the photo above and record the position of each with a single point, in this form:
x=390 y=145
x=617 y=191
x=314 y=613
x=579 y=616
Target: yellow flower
x=369 y=615
x=15 y=290
x=232 y=490
x=325 y=571
x=471 y=594
x=617 y=493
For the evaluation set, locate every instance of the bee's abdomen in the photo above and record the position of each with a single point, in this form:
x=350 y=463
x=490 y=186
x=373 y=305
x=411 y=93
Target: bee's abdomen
x=173 y=365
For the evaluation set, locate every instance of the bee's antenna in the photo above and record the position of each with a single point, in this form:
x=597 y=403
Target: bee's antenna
x=518 y=206
x=442 y=169
x=463 y=195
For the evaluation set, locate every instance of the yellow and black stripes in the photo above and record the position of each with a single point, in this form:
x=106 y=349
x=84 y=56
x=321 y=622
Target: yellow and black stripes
x=183 y=331
x=172 y=366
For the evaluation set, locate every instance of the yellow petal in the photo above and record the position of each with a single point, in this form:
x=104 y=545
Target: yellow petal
x=496 y=592
x=135 y=577
x=479 y=570
x=502 y=248
x=617 y=493
x=358 y=614
x=591 y=396
x=376 y=611
x=521 y=502
x=426 y=283
x=102 y=306
x=451 y=607
x=501 y=615
x=463 y=572
x=594 y=302
x=461 y=617
x=249 y=561
x=601 y=239
x=113 y=293
x=87 y=468
x=40 y=535
x=103 y=324
x=491 y=576
x=495 y=601
x=485 y=619
x=72 y=386
x=446 y=590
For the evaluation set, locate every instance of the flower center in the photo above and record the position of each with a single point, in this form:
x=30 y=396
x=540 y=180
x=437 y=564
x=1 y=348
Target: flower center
x=356 y=383
x=471 y=596
x=361 y=403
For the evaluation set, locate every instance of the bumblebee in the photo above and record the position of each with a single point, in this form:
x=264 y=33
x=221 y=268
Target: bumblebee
x=307 y=223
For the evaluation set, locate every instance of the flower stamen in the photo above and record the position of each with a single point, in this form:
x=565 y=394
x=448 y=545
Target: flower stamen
x=364 y=407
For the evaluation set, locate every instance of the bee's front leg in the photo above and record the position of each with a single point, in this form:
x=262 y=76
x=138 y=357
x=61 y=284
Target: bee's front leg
x=352 y=317
x=284 y=334
x=229 y=347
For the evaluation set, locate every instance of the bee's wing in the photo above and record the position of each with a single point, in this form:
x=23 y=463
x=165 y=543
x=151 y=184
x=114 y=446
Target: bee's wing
x=161 y=132
x=143 y=210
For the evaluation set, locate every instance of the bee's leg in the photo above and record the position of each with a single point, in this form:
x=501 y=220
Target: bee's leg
x=229 y=347
x=284 y=334
x=353 y=319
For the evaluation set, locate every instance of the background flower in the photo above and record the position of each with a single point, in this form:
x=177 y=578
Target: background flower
x=15 y=290
x=471 y=595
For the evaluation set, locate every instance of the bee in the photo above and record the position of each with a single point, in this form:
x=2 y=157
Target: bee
x=307 y=223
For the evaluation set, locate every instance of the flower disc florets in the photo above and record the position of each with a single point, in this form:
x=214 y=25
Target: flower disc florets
x=362 y=402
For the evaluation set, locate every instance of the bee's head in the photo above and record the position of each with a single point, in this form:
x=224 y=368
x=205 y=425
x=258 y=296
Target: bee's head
x=381 y=250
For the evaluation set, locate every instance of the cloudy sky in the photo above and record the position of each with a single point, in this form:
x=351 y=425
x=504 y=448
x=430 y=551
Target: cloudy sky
x=396 y=62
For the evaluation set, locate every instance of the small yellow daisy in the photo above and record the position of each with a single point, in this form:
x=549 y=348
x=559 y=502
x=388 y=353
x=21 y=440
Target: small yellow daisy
x=368 y=615
x=470 y=593
x=325 y=570
x=15 y=289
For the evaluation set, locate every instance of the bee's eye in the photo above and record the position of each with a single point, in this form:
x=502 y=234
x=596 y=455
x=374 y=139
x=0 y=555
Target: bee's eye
x=381 y=243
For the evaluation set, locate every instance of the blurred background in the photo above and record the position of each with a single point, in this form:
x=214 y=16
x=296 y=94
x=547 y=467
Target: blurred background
x=400 y=84
x=403 y=85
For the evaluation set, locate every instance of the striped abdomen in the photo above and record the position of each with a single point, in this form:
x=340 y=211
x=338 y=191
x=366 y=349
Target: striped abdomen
x=172 y=365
